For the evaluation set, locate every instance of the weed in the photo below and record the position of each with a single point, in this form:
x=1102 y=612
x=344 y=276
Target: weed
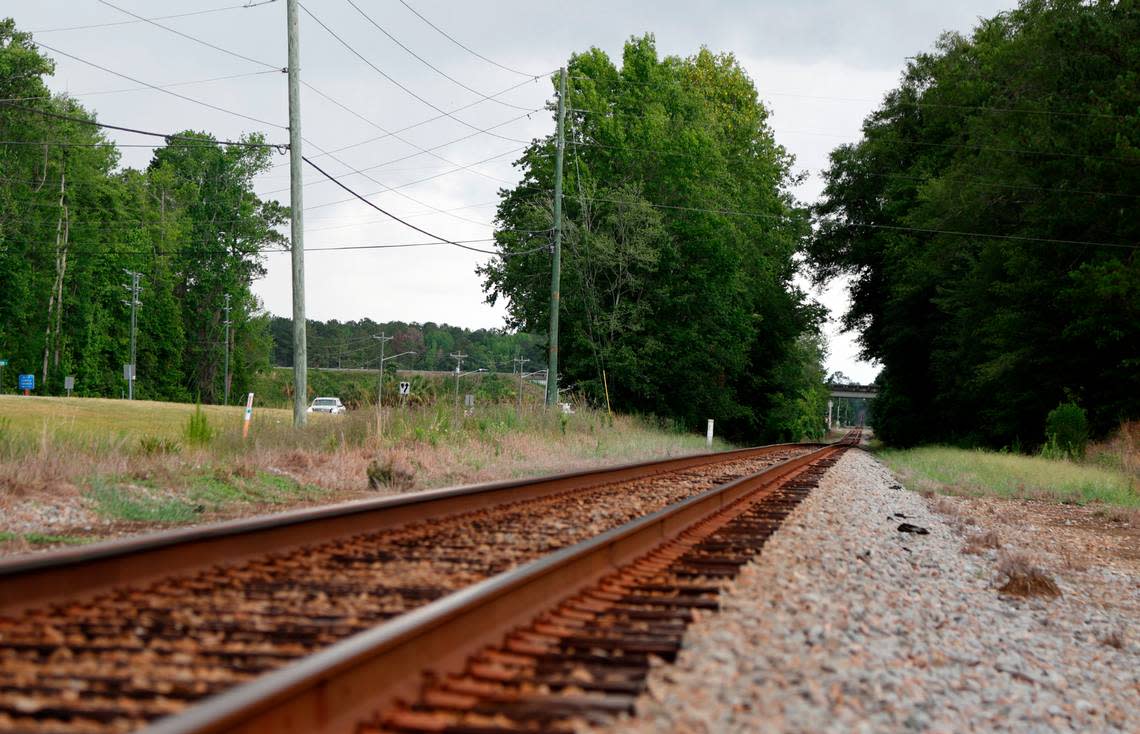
x=1024 y=577
x=158 y=446
x=6 y=536
x=198 y=430
x=391 y=472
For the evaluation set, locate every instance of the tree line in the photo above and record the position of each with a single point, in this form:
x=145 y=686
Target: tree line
x=353 y=345
x=988 y=218
x=74 y=225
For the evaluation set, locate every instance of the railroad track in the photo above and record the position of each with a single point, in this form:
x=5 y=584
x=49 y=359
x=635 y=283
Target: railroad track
x=244 y=616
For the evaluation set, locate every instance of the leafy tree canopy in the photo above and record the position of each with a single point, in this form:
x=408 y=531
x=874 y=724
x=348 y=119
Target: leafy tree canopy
x=989 y=220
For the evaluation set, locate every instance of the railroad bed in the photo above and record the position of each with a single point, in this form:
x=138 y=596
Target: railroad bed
x=117 y=657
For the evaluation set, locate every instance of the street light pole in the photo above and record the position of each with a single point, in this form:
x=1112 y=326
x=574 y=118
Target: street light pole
x=458 y=357
x=226 y=368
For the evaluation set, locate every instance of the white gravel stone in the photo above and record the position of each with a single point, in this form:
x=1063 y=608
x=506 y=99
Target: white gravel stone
x=845 y=624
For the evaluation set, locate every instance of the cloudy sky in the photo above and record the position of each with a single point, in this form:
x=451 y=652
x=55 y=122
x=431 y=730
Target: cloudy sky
x=820 y=66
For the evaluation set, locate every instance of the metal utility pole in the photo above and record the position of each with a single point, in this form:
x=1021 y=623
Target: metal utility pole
x=134 y=303
x=458 y=357
x=297 y=241
x=384 y=339
x=521 y=362
x=556 y=263
x=226 y=363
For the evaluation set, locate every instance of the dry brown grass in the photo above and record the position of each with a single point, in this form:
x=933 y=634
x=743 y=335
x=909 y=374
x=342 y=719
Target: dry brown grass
x=1024 y=577
x=979 y=542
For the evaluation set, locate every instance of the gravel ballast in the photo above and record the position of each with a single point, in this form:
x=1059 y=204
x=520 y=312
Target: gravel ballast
x=847 y=624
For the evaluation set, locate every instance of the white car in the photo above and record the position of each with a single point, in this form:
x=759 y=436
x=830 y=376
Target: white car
x=327 y=405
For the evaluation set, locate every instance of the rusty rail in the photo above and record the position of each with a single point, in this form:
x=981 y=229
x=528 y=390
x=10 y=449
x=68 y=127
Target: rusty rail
x=77 y=573
x=337 y=689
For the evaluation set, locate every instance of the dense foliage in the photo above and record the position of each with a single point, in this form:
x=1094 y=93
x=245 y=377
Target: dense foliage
x=352 y=345
x=678 y=249
x=72 y=221
x=970 y=217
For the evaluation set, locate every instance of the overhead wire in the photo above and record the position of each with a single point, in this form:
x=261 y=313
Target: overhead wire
x=140 y=89
x=401 y=86
x=456 y=243
x=195 y=39
x=912 y=103
x=243 y=6
x=468 y=49
x=425 y=62
x=427 y=121
x=138 y=131
x=161 y=89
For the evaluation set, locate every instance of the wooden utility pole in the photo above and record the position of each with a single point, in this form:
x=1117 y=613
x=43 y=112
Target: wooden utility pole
x=226 y=363
x=556 y=263
x=297 y=241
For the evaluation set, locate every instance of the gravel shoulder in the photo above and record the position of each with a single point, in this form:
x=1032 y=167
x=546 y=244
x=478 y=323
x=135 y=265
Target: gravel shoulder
x=846 y=624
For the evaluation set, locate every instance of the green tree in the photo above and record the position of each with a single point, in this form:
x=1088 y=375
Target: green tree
x=677 y=264
x=1027 y=134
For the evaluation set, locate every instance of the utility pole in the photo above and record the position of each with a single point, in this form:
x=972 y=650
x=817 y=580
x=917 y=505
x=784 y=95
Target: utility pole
x=384 y=339
x=458 y=357
x=297 y=241
x=556 y=263
x=134 y=303
x=521 y=362
x=226 y=367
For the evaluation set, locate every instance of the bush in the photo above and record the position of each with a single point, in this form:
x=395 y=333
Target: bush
x=156 y=446
x=198 y=430
x=1066 y=431
x=391 y=472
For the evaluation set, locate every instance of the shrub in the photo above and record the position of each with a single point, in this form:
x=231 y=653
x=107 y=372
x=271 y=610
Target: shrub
x=1024 y=577
x=198 y=430
x=1067 y=431
x=390 y=472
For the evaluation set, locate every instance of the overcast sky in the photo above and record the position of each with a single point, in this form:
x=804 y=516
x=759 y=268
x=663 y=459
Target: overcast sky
x=821 y=67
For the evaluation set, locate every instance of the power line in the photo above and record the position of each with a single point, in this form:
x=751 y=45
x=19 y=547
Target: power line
x=904 y=141
x=136 y=131
x=410 y=92
x=140 y=89
x=187 y=36
x=980 y=108
x=396 y=136
x=983 y=235
x=412 y=183
x=409 y=224
x=468 y=49
x=158 y=88
x=401 y=194
x=160 y=17
x=427 y=63
x=427 y=121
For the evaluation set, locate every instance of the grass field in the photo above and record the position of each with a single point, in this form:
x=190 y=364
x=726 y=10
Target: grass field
x=985 y=473
x=118 y=466
x=93 y=418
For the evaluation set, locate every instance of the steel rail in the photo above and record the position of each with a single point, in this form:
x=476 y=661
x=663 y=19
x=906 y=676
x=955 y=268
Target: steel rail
x=74 y=574
x=335 y=689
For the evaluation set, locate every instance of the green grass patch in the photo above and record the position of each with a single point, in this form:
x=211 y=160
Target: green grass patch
x=6 y=536
x=980 y=473
x=216 y=493
x=46 y=539
x=137 y=504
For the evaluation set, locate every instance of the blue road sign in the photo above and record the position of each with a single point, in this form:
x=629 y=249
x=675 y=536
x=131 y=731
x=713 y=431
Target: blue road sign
x=27 y=382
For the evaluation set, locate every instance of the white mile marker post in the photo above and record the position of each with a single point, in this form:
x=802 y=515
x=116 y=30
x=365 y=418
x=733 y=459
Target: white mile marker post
x=248 y=417
x=709 y=434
